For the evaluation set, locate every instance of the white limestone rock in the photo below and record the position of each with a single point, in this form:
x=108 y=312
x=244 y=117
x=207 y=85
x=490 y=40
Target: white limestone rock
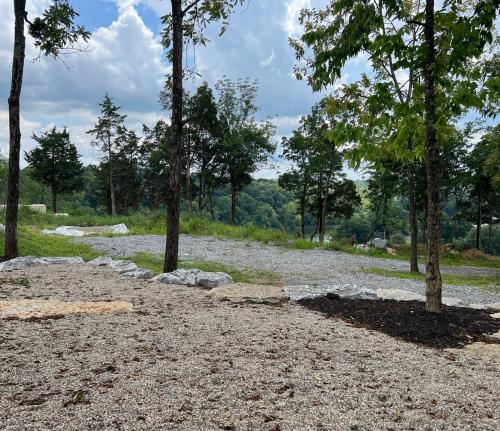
x=399 y=295
x=28 y=261
x=194 y=277
x=100 y=261
x=140 y=273
x=122 y=266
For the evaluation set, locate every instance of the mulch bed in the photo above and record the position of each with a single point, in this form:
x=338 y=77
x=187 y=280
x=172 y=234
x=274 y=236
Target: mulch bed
x=454 y=327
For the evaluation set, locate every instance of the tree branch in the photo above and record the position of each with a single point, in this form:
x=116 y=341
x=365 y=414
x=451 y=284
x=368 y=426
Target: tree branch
x=190 y=6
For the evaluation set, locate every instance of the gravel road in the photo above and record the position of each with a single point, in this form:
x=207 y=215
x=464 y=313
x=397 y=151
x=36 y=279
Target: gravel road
x=296 y=267
x=181 y=361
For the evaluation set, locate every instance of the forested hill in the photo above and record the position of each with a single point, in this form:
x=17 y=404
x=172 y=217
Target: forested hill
x=264 y=203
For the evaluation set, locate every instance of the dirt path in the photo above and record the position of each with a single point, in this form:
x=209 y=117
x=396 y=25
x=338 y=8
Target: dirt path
x=181 y=361
x=311 y=267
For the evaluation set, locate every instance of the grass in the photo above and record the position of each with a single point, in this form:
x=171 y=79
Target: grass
x=490 y=283
x=153 y=222
x=155 y=264
x=33 y=243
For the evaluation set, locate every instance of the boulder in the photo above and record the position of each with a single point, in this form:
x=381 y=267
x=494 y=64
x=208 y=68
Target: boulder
x=122 y=266
x=209 y=280
x=194 y=277
x=379 y=243
x=451 y=301
x=399 y=295
x=79 y=231
x=139 y=273
x=64 y=231
x=22 y=262
x=495 y=306
x=100 y=261
x=249 y=293
x=27 y=261
x=296 y=293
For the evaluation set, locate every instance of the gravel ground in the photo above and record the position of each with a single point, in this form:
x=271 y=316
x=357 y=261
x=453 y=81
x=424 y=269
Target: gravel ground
x=181 y=361
x=311 y=267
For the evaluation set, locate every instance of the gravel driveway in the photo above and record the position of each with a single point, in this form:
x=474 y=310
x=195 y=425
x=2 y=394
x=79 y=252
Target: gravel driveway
x=180 y=361
x=296 y=267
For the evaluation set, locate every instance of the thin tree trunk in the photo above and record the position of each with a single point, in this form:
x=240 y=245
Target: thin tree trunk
x=489 y=234
x=212 y=213
x=112 y=192
x=110 y=180
x=478 y=221
x=302 y=221
x=433 y=274
x=200 y=195
x=412 y=213
x=233 y=204
x=175 y=148
x=54 y=200
x=12 y=201
x=189 y=193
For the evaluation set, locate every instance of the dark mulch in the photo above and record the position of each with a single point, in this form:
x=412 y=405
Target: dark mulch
x=408 y=320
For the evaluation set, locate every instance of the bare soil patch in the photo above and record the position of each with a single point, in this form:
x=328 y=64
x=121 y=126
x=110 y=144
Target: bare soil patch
x=454 y=327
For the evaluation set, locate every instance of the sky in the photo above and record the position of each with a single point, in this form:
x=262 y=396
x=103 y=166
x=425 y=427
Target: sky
x=125 y=58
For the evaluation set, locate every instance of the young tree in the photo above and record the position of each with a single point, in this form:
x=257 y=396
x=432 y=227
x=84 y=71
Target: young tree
x=184 y=24
x=246 y=144
x=347 y=28
x=55 y=163
x=53 y=32
x=108 y=135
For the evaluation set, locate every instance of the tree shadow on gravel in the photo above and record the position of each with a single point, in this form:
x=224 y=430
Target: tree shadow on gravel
x=454 y=327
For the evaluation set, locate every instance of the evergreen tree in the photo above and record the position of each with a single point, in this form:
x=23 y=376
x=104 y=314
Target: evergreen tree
x=108 y=135
x=55 y=163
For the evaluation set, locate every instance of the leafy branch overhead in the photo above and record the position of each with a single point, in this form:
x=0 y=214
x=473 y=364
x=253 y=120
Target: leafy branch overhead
x=55 y=32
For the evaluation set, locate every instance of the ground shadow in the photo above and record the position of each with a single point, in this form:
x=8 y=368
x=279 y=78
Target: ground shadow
x=454 y=327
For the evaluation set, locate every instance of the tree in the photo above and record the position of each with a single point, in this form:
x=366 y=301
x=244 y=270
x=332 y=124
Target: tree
x=55 y=163
x=154 y=161
x=481 y=180
x=185 y=23
x=53 y=32
x=246 y=144
x=316 y=177
x=347 y=28
x=108 y=135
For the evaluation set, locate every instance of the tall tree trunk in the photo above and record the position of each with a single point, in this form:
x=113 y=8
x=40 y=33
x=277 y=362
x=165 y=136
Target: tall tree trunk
x=233 y=204
x=12 y=201
x=478 y=221
x=112 y=192
x=189 y=194
x=433 y=274
x=302 y=220
x=200 y=195
x=175 y=149
x=412 y=213
x=322 y=221
x=54 y=200
x=210 y=202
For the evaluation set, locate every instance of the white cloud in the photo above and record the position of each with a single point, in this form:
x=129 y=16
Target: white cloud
x=290 y=22
x=124 y=59
x=267 y=61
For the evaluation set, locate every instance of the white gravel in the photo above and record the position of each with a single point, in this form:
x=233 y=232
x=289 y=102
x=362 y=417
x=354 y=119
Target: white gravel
x=181 y=361
x=296 y=267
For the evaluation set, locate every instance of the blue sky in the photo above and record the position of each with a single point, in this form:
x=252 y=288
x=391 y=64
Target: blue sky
x=125 y=58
